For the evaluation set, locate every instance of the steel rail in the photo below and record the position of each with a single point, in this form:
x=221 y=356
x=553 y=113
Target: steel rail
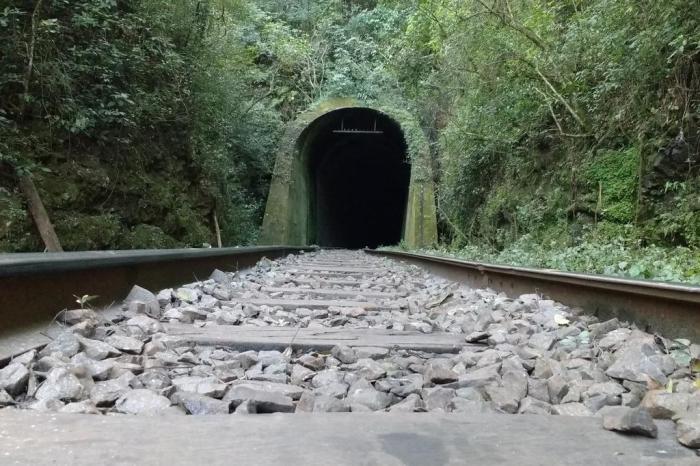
x=35 y=287
x=672 y=309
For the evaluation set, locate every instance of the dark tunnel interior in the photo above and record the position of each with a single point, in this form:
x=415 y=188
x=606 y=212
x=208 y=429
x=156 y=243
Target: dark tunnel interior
x=359 y=178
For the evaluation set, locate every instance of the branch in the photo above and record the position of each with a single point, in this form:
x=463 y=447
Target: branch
x=556 y=120
x=30 y=54
x=561 y=99
x=527 y=32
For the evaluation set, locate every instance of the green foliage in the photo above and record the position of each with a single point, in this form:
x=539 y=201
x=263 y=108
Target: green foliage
x=547 y=122
x=615 y=175
x=605 y=250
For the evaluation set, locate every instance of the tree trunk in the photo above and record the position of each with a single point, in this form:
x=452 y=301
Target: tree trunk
x=38 y=211
x=217 y=229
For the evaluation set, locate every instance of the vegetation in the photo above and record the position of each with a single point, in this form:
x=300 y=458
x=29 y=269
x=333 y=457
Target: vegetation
x=563 y=134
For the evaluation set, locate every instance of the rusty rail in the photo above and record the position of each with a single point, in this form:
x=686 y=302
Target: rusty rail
x=669 y=308
x=35 y=287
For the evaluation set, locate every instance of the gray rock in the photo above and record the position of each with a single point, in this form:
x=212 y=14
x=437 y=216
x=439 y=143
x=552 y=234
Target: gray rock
x=516 y=382
x=439 y=375
x=228 y=318
x=344 y=354
x=598 y=330
x=207 y=386
x=60 y=384
x=47 y=405
x=333 y=390
x=469 y=393
x=326 y=377
x=315 y=363
x=164 y=297
x=81 y=407
x=151 y=306
x=571 y=409
x=96 y=349
x=156 y=380
x=597 y=402
x=558 y=387
x=264 y=402
x=369 y=369
x=247 y=359
x=301 y=374
x=219 y=277
x=247 y=407
x=411 y=404
x=614 y=339
x=66 y=343
x=471 y=407
x=305 y=403
x=142 y=401
x=85 y=328
x=504 y=398
x=438 y=398
x=105 y=393
x=530 y=405
x=25 y=358
x=199 y=405
x=688 y=431
x=629 y=420
x=546 y=367
x=5 y=399
x=173 y=315
x=98 y=370
x=75 y=316
x=144 y=324
x=604 y=388
x=476 y=337
x=409 y=384
x=538 y=389
x=329 y=404
x=292 y=391
x=478 y=377
x=664 y=405
x=542 y=341
x=13 y=378
x=364 y=394
x=126 y=344
x=638 y=363
x=188 y=295
x=192 y=313
x=270 y=358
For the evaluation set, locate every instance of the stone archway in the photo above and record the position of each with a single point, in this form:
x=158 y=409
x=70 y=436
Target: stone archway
x=345 y=177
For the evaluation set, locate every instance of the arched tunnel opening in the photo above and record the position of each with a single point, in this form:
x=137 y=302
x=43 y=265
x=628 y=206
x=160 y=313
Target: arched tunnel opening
x=357 y=177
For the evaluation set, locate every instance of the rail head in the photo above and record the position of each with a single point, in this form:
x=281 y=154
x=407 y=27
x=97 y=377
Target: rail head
x=668 y=290
x=26 y=264
x=35 y=287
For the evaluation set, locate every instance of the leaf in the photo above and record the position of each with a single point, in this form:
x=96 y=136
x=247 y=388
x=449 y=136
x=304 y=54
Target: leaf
x=669 y=386
x=561 y=320
x=82 y=300
x=695 y=366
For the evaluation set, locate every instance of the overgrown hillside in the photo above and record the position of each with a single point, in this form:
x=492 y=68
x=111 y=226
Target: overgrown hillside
x=568 y=131
x=564 y=134
x=135 y=121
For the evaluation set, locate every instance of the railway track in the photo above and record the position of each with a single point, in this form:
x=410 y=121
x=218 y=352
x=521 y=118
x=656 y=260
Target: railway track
x=467 y=362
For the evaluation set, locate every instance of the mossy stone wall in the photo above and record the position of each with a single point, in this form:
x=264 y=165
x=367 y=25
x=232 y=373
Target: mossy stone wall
x=289 y=214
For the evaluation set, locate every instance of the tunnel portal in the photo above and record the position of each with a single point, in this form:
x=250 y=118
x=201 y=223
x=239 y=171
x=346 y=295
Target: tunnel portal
x=342 y=178
x=358 y=179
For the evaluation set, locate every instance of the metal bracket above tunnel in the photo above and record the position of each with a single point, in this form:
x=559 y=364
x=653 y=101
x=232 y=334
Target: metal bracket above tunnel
x=346 y=175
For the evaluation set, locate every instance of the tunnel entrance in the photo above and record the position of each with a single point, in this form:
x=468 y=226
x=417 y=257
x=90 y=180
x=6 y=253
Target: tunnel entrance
x=357 y=177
